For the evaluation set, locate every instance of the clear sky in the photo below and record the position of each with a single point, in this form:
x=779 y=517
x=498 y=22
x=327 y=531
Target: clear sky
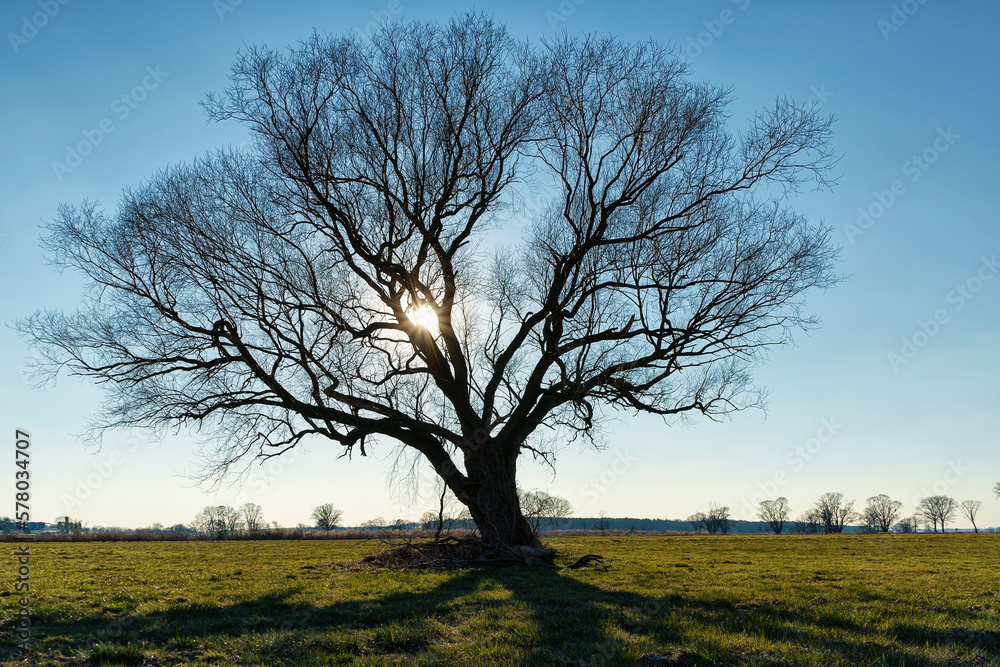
x=914 y=86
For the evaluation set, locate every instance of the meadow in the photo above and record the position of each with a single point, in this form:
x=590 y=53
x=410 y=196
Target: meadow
x=676 y=600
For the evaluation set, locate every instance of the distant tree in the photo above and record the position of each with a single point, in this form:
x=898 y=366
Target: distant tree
x=442 y=497
x=926 y=518
x=910 y=524
x=371 y=524
x=7 y=525
x=716 y=520
x=937 y=510
x=697 y=521
x=155 y=528
x=66 y=525
x=881 y=513
x=215 y=520
x=541 y=508
x=207 y=521
x=775 y=513
x=834 y=512
x=601 y=522
x=253 y=517
x=970 y=508
x=326 y=517
x=178 y=529
x=559 y=511
x=234 y=520
x=109 y=529
x=809 y=522
x=445 y=515
x=465 y=519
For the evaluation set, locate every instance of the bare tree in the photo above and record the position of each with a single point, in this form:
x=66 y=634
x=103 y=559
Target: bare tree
x=326 y=516
x=326 y=282
x=970 y=508
x=775 y=513
x=601 y=522
x=440 y=513
x=925 y=514
x=377 y=523
x=540 y=508
x=809 y=522
x=233 y=518
x=881 y=513
x=559 y=511
x=441 y=502
x=253 y=517
x=834 y=512
x=697 y=521
x=215 y=520
x=446 y=514
x=937 y=509
x=908 y=524
x=716 y=520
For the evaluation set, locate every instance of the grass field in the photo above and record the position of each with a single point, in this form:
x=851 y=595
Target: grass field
x=733 y=600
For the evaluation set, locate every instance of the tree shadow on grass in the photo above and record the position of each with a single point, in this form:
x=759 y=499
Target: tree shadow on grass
x=513 y=616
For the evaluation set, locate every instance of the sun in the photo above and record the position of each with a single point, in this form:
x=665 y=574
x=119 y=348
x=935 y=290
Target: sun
x=424 y=316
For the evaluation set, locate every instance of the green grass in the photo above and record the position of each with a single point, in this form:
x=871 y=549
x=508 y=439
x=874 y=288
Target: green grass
x=736 y=600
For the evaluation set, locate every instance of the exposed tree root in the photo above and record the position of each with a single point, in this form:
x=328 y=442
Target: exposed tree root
x=451 y=553
x=585 y=560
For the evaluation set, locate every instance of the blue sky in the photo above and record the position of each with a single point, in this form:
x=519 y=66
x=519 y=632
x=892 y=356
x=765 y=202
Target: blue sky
x=914 y=87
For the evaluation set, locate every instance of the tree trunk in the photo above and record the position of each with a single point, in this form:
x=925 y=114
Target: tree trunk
x=494 y=505
x=444 y=491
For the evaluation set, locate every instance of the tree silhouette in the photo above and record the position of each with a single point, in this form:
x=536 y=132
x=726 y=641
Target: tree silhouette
x=775 y=513
x=937 y=509
x=326 y=517
x=218 y=520
x=834 y=512
x=541 y=508
x=716 y=520
x=253 y=517
x=881 y=513
x=329 y=281
x=970 y=508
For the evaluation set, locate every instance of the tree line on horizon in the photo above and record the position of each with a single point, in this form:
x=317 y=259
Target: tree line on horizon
x=833 y=512
x=540 y=509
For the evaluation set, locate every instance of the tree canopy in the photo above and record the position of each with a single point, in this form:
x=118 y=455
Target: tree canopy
x=331 y=280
